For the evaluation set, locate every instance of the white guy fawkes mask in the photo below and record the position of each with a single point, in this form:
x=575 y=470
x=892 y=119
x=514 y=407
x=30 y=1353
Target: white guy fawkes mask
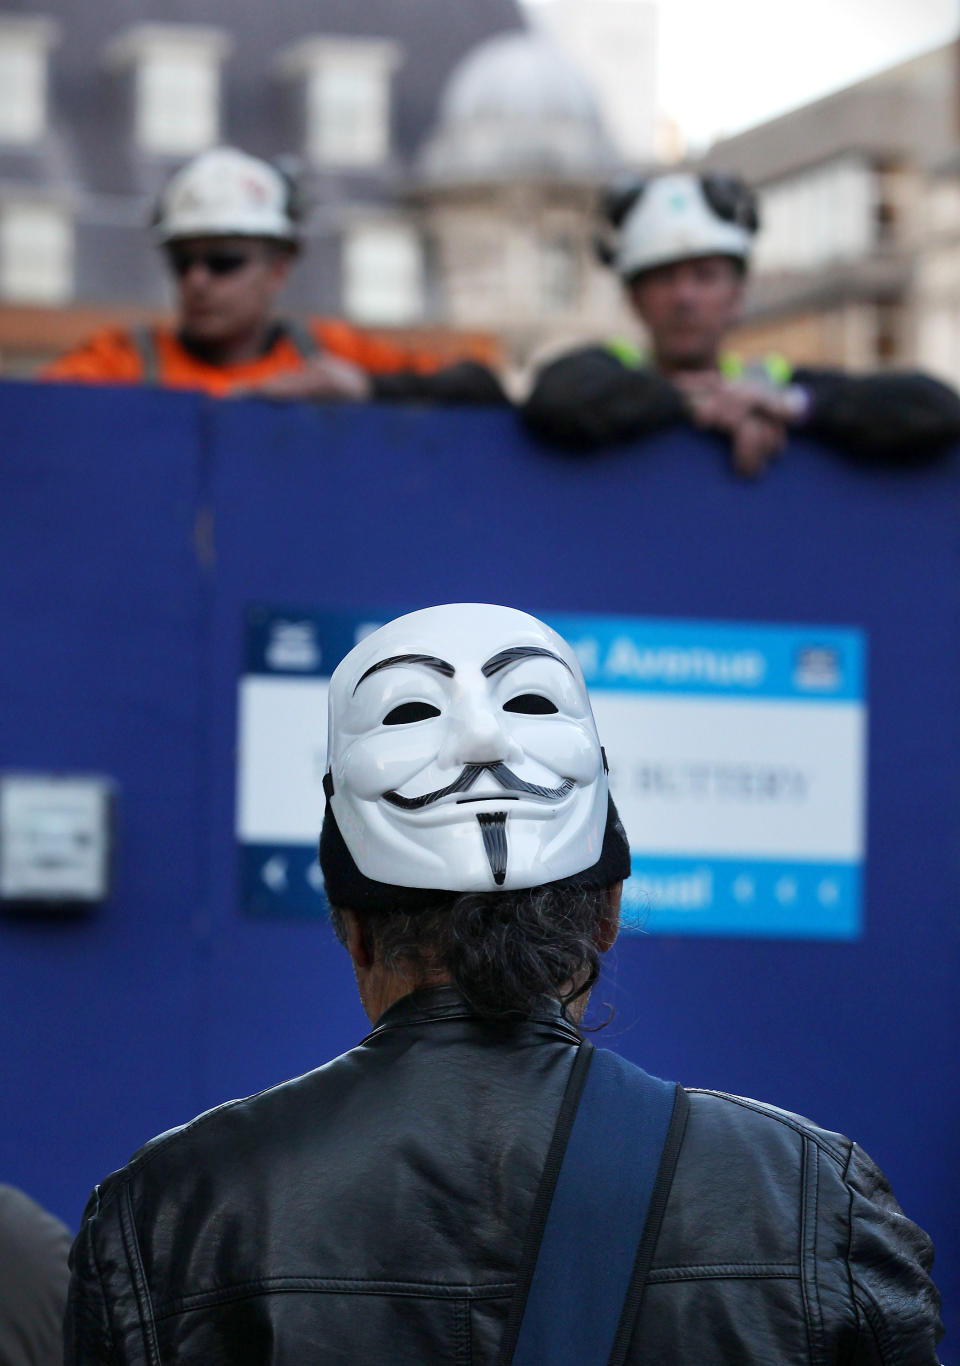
x=463 y=753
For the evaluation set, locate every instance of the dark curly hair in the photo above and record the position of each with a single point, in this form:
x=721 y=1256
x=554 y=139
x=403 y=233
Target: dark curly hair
x=502 y=950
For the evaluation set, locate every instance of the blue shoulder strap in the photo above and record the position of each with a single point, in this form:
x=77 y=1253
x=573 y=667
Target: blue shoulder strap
x=596 y=1215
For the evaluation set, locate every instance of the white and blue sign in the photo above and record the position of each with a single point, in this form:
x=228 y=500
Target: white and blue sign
x=737 y=759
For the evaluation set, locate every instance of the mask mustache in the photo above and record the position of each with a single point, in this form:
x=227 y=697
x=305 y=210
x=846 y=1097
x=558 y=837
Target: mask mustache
x=498 y=770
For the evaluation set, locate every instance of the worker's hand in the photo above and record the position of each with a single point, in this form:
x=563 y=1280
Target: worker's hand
x=754 y=416
x=722 y=404
x=319 y=377
x=756 y=441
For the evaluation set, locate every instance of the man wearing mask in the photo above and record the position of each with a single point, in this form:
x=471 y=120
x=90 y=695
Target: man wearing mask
x=681 y=244
x=228 y=225
x=474 y=1182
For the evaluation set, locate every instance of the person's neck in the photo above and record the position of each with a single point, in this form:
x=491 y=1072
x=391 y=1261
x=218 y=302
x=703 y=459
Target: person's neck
x=231 y=350
x=380 y=989
x=671 y=369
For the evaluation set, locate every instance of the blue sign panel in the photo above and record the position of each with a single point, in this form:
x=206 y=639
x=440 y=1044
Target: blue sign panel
x=737 y=759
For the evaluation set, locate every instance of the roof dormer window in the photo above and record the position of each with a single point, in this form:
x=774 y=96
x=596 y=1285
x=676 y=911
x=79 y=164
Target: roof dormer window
x=346 y=92
x=24 y=47
x=176 y=82
x=36 y=252
x=383 y=274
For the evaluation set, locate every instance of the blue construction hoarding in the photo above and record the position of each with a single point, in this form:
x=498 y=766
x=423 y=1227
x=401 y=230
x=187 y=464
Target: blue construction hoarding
x=812 y=963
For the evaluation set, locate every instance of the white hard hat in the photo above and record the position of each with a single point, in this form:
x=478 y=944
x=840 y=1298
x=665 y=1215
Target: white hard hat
x=678 y=217
x=225 y=192
x=463 y=756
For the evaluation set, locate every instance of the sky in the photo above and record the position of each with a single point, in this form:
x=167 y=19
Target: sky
x=727 y=64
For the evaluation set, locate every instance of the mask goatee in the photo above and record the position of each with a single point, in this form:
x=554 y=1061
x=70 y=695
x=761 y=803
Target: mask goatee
x=493 y=827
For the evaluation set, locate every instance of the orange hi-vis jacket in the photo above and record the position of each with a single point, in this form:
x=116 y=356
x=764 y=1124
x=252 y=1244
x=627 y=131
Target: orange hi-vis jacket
x=155 y=355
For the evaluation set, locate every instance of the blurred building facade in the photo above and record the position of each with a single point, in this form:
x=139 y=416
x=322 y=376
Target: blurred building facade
x=507 y=184
x=615 y=44
x=99 y=103
x=448 y=154
x=858 y=263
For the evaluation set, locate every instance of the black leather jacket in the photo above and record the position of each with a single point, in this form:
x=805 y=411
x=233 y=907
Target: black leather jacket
x=373 y=1211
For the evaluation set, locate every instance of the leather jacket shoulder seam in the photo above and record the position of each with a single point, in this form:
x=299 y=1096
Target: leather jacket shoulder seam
x=809 y=1231
x=141 y=1290
x=781 y=1117
x=91 y=1243
x=848 y=1251
x=140 y=1161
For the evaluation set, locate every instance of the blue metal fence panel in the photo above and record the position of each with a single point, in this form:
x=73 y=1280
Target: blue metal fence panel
x=99 y=616
x=125 y=651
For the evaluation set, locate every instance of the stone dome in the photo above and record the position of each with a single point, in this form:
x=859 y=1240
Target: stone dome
x=516 y=106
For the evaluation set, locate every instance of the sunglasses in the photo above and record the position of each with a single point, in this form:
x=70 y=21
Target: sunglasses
x=214 y=261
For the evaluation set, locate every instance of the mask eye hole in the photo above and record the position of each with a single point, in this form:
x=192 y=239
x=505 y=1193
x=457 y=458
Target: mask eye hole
x=530 y=704
x=410 y=711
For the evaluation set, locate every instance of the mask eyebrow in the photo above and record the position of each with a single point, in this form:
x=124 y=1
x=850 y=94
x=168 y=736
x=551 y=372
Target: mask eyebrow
x=506 y=658
x=425 y=661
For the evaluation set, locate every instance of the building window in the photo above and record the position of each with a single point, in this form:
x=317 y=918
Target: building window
x=346 y=88
x=347 y=116
x=24 y=48
x=819 y=217
x=383 y=274
x=178 y=96
x=36 y=253
x=560 y=274
x=176 y=85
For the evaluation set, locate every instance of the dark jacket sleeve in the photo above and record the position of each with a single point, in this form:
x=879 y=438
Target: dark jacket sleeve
x=900 y=418
x=87 y=1339
x=590 y=398
x=897 y=1306
x=467 y=382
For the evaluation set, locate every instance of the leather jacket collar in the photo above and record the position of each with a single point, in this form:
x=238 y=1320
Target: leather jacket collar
x=429 y=1005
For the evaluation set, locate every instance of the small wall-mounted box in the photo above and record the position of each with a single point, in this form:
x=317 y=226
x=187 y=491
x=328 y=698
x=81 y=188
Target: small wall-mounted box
x=56 y=841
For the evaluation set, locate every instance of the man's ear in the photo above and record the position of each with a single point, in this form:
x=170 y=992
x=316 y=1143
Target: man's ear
x=356 y=941
x=609 y=925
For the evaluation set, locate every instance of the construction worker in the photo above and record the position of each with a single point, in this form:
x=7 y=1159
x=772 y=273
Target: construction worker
x=681 y=244
x=229 y=225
